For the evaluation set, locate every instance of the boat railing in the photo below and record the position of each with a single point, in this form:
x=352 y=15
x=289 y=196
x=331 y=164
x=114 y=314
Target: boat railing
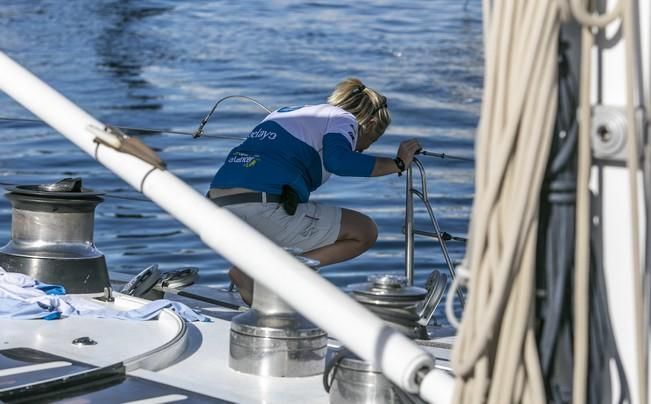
x=410 y=230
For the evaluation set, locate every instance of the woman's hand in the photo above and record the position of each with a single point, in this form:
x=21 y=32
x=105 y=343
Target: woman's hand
x=407 y=150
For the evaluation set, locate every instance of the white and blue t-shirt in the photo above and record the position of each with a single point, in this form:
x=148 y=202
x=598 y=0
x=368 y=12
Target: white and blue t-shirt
x=296 y=146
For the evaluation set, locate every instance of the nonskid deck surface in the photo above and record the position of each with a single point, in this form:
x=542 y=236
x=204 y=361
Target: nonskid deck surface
x=196 y=369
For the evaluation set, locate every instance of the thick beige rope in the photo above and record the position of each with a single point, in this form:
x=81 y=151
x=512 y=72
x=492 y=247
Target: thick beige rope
x=495 y=356
x=633 y=100
x=582 y=236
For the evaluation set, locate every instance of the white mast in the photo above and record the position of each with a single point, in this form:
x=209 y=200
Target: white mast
x=611 y=184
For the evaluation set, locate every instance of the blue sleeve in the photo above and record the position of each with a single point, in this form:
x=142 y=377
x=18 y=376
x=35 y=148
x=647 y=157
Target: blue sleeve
x=340 y=159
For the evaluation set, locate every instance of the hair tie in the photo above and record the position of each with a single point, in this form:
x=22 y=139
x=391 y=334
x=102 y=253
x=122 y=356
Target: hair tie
x=359 y=89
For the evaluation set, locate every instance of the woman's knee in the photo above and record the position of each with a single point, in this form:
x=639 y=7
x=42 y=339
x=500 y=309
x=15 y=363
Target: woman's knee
x=242 y=280
x=357 y=226
x=372 y=234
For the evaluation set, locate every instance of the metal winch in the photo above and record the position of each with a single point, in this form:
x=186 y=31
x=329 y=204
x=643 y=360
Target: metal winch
x=406 y=308
x=272 y=339
x=52 y=236
x=356 y=381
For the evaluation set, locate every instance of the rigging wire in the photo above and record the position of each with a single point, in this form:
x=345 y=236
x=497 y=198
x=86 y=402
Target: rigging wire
x=445 y=156
x=174 y=132
x=232 y=137
x=195 y=134
x=199 y=132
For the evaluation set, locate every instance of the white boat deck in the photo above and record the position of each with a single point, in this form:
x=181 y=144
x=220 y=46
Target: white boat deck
x=196 y=358
x=117 y=340
x=205 y=369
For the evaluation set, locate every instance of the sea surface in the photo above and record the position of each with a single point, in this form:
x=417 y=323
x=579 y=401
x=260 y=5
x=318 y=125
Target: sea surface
x=162 y=64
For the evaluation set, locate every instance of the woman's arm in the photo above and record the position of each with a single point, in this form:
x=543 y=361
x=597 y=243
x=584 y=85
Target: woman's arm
x=406 y=152
x=385 y=166
x=340 y=159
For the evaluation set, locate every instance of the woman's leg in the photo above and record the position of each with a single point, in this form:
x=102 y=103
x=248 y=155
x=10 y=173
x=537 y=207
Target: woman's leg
x=357 y=234
x=244 y=284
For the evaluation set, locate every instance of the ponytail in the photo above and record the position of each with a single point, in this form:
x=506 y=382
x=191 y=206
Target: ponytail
x=368 y=106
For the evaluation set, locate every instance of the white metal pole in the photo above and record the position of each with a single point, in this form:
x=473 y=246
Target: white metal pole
x=645 y=46
x=610 y=183
x=320 y=301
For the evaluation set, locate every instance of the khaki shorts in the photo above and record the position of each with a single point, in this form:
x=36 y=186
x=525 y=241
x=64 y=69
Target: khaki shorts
x=312 y=226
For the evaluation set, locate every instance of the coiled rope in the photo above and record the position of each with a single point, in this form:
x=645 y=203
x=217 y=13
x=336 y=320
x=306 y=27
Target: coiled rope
x=495 y=356
x=515 y=128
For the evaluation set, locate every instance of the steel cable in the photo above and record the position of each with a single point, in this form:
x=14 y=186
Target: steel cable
x=427 y=153
x=135 y=129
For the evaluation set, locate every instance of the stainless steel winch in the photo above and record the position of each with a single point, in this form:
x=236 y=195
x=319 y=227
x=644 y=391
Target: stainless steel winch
x=359 y=382
x=272 y=339
x=394 y=301
x=406 y=308
x=52 y=236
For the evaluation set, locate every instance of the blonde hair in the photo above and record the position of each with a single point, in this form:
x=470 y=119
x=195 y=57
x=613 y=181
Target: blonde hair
x=368 y=106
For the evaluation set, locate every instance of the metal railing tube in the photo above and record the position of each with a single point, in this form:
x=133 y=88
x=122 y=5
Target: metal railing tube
x=409 y=228
x=444 y=248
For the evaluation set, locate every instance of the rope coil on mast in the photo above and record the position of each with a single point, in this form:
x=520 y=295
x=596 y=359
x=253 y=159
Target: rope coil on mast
x=520 y=81
x=495 y=356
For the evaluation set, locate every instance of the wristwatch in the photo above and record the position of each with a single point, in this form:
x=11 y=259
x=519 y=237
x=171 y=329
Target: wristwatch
x=400 y=164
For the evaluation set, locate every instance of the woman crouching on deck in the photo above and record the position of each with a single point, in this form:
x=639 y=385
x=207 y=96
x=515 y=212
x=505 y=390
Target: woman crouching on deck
x=267 y=180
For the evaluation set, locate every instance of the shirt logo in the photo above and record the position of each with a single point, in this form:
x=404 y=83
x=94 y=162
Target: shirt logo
x=246 y=160
x=290 y=109
x=262 y=134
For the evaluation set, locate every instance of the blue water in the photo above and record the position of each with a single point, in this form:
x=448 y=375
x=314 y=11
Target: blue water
x=162 y=64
